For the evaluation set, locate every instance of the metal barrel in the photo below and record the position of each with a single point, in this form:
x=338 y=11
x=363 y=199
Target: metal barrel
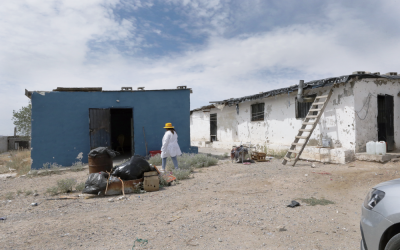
x=100 y=163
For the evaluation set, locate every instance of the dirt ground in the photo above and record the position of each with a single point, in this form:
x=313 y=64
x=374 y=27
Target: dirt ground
x=228 y=206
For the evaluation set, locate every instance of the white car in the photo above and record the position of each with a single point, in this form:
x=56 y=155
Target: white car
x=380 y=219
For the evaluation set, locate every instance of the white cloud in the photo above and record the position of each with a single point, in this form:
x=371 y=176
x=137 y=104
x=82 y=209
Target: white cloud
x=46 y=45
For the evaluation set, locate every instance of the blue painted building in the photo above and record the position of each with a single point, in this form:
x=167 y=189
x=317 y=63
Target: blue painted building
x=69 y=122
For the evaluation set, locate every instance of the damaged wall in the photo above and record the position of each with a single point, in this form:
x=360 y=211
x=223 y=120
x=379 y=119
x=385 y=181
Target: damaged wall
x=366 y=94
x=280 y=125
x=60 y=121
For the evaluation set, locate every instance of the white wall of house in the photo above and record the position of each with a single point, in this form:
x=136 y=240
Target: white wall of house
x=348 y=130
x=199 y=127
x=366 y=92
x=280 y=125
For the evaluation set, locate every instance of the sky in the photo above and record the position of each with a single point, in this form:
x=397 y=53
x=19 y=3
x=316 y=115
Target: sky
x=220 y=48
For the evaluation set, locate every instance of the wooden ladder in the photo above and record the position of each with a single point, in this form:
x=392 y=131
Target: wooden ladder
x=311 y=120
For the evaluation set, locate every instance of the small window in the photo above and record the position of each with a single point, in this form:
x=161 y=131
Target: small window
x=302 y=108
x=257 y=112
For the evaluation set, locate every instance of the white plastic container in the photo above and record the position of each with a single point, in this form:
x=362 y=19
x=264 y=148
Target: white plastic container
x=380 y=148
x=371 y=148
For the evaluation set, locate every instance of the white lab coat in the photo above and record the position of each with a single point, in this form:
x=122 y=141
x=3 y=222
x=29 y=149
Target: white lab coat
x=170 y=145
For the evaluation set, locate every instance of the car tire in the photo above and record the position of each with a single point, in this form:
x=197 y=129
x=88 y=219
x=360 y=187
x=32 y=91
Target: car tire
x=394 y=243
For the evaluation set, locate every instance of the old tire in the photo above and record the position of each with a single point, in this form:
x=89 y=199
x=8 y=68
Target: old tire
x=394 y=243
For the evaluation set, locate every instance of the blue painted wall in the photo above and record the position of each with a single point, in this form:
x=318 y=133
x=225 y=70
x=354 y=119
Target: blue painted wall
x=60 y=121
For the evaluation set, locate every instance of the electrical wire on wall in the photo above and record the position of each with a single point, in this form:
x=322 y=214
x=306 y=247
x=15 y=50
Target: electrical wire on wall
x=366 y=103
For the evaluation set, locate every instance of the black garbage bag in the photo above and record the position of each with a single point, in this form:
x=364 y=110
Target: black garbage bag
x=102 y=151
x=132 y=169
x=95 y=183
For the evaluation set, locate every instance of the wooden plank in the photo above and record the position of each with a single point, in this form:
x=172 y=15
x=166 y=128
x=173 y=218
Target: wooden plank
x=314 y=110
x=287 y=159
x=302 y=137
x=321 y=96
x=308 y=123
x=305 y=130
x=318 y=103
x=298 y=144
x=312 y=116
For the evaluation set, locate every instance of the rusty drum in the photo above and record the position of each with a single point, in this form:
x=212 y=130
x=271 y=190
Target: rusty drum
x=100 y=163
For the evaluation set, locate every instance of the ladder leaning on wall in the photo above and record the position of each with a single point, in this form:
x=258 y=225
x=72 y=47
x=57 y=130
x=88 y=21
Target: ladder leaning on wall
x=312 y=120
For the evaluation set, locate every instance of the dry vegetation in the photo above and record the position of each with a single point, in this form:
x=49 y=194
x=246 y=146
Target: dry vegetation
x=16 y=161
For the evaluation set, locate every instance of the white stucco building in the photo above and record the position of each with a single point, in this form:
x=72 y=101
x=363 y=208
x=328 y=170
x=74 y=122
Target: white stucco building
x=360 y=104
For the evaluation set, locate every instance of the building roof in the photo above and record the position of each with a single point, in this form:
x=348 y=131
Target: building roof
x=100 y=89
x=203 y=108
x=308 y=85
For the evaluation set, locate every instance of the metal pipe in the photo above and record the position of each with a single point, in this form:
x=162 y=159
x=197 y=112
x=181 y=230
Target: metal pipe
x=300 y=94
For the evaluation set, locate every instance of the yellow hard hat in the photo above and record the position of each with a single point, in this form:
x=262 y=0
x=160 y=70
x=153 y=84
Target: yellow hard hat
x=168 y=125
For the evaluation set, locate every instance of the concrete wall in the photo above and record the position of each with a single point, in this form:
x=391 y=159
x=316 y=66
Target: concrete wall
x=60 y=121
x=3 y=144
x=280 y=125
x=366 y=92
x=200 y=126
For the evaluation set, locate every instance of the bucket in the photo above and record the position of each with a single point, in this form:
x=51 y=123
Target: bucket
x=154 y=152
x=100 y=163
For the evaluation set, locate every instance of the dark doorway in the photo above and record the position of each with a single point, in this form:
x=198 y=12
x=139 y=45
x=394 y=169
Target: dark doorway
x=385 y=120
x=122 y=131
x=213 y=127
x=112 y=128
x=99 y=128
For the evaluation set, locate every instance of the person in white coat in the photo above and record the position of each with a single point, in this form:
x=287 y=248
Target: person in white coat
x=170 y=146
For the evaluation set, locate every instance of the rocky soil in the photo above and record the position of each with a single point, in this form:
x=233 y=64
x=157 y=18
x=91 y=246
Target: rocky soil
x=228 y=206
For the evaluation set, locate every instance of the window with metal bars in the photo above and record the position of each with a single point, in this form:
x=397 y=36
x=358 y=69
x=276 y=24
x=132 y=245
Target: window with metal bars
x=302 y=108
x=257 y=112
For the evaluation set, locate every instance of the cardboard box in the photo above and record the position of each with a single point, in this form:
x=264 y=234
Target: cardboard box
x=151 y=182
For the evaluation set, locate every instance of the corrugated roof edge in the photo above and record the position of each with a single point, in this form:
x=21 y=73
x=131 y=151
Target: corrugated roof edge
x=308 y=85
x=203 y=107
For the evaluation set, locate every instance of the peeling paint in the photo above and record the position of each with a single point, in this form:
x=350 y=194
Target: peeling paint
x=80 y=156
x=339 y=121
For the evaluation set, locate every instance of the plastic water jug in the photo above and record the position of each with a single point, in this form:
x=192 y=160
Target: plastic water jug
x=380 y=148
x=371 y=148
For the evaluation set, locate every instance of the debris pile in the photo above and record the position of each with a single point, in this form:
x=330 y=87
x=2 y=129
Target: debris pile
x=128 y=177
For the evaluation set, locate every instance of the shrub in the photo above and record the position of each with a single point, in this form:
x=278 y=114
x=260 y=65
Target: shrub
x=9 y=196
x=181 y=174
x=20 y=161
x=80 y=186
x=190 y=161
x=28 y=192
x=50 y=168
x=77 y=166
x=155 y=160
x=52 y=190
x=66 y=185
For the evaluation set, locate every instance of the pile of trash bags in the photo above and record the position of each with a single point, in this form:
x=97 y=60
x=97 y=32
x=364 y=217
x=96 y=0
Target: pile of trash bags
x=130 y=170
